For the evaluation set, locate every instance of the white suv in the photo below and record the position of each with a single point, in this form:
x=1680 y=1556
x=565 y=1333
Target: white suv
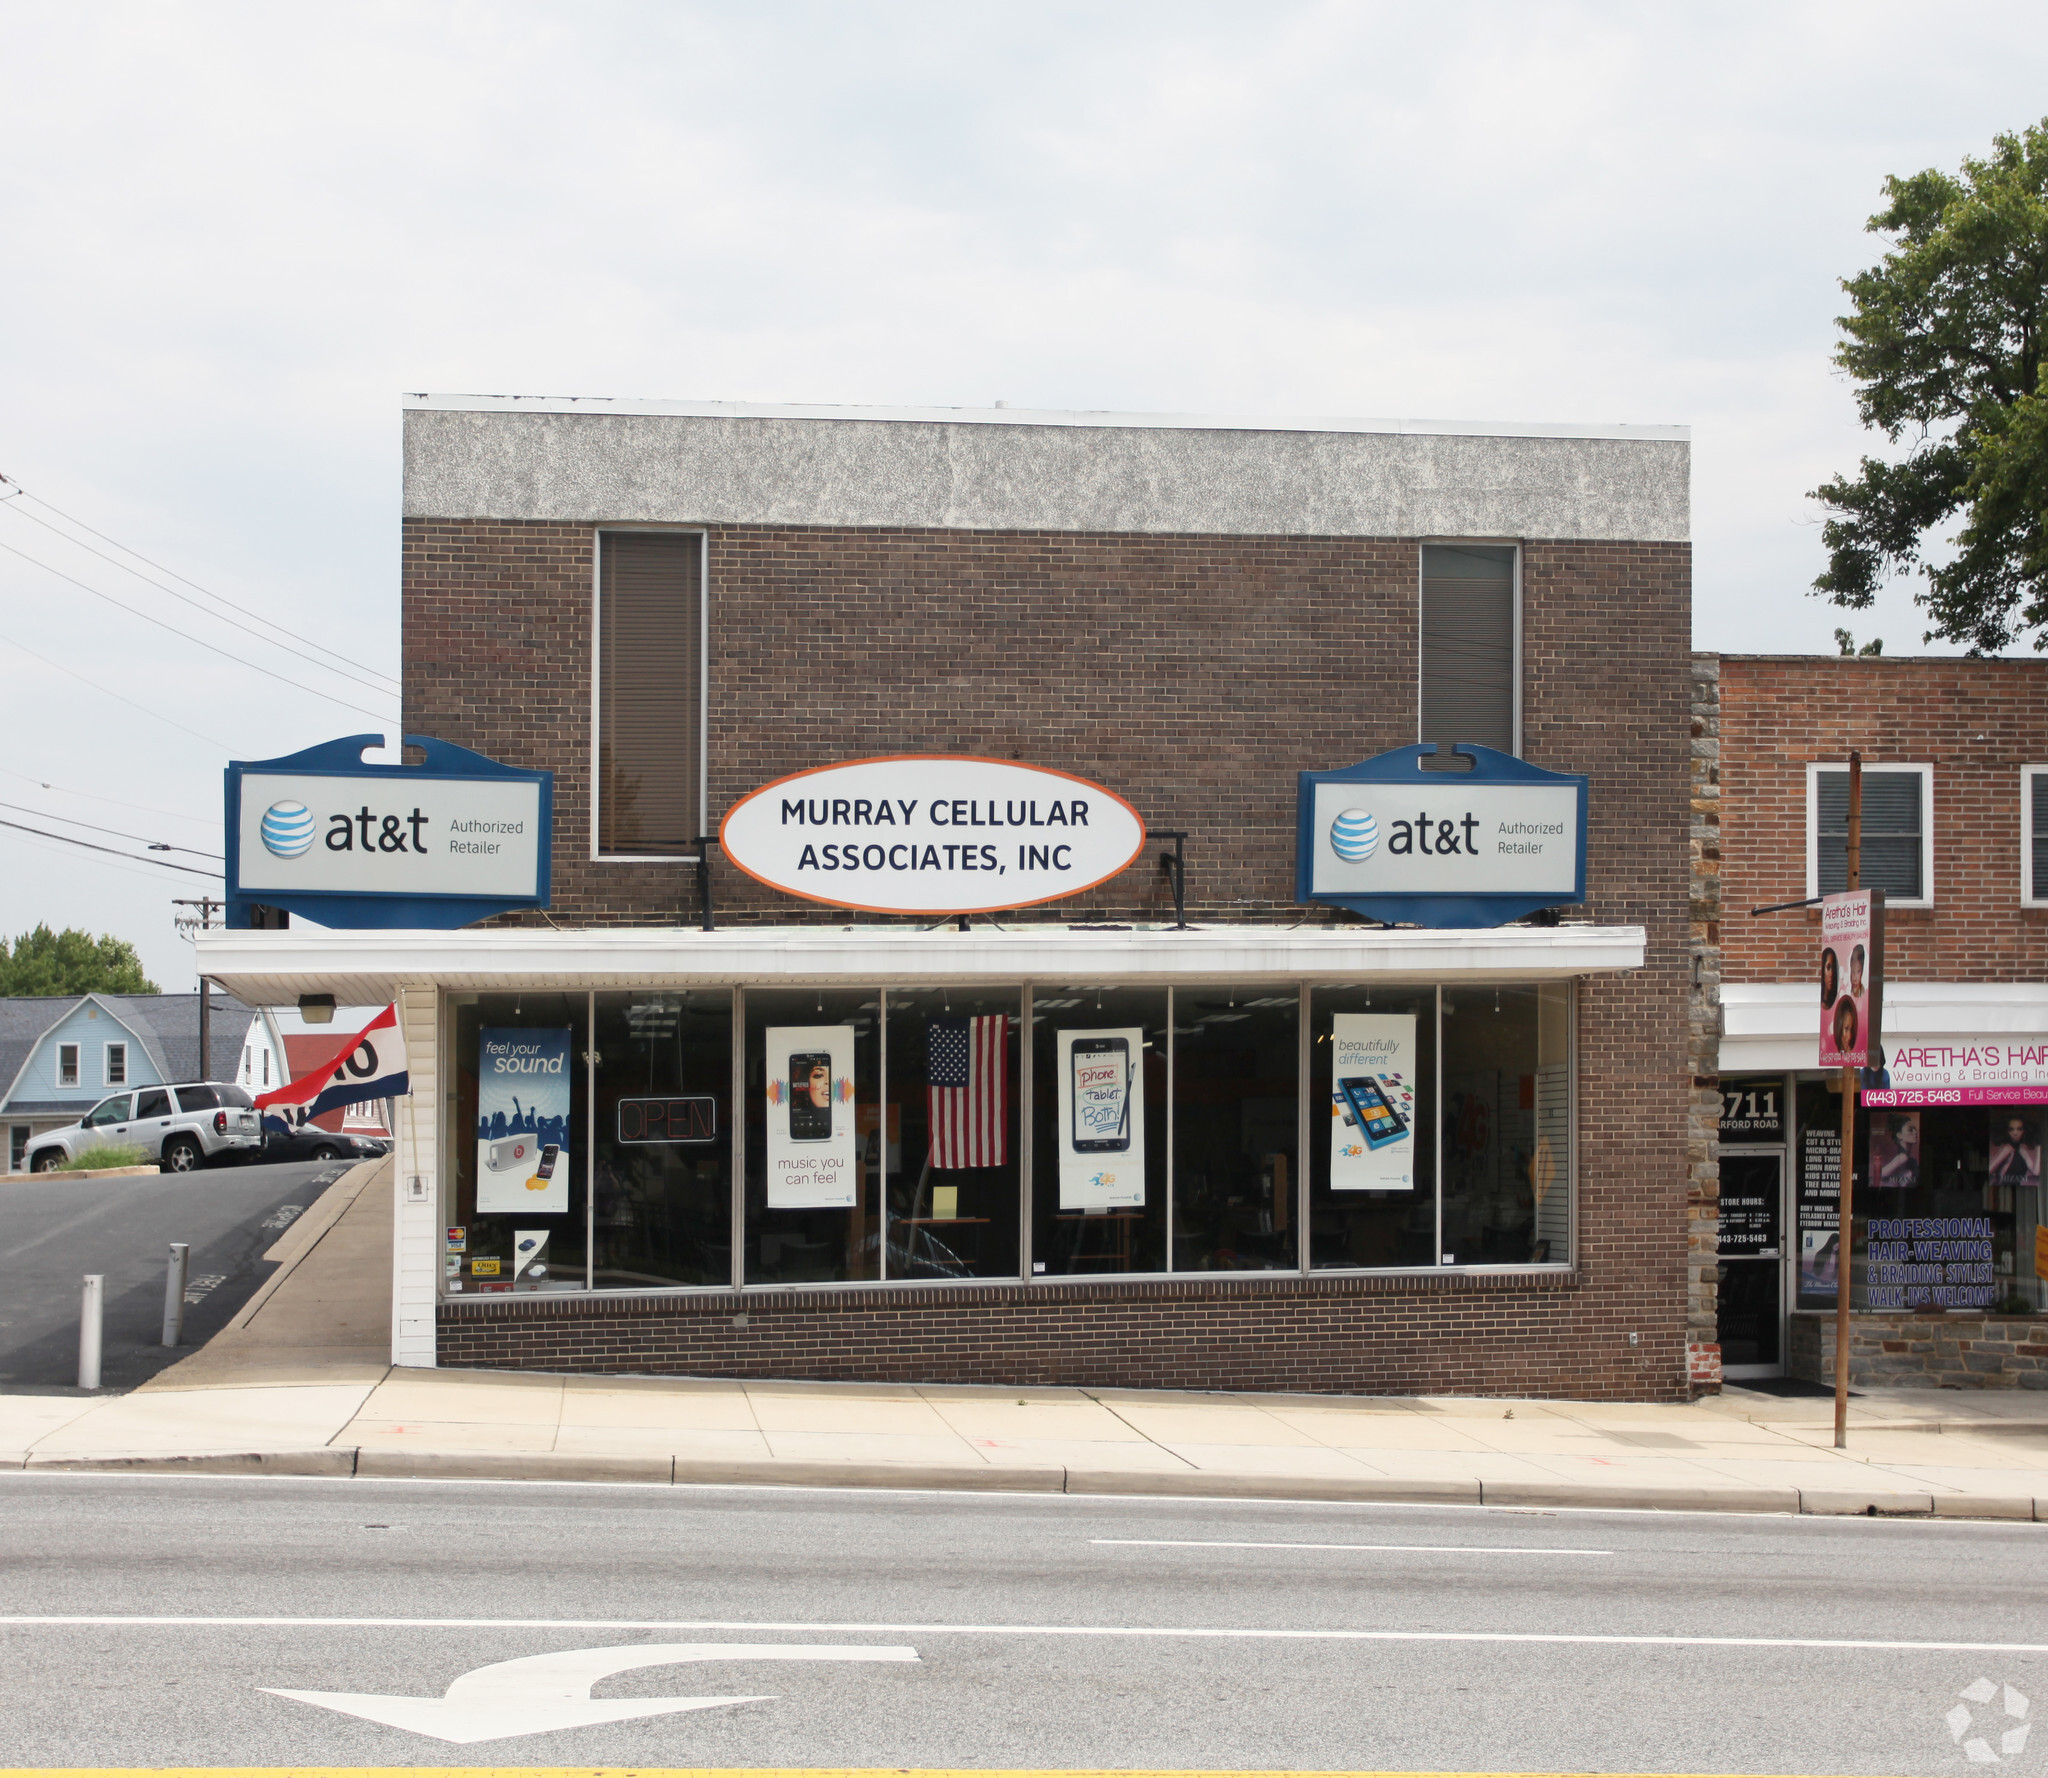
x=184 y=1127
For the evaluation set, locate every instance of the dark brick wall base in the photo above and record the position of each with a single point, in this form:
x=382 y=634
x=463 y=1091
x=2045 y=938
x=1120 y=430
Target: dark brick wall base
x=1925 y=1351
x=1548 y=1336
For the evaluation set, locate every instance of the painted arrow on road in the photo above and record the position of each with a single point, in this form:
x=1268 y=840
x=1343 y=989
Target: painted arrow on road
x=538 y=1693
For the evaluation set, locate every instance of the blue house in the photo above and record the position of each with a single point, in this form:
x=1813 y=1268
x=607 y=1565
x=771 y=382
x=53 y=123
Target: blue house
x=60 y=1056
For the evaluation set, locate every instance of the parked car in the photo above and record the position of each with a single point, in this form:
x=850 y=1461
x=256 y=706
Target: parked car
x=311 y=1143
x=181 y=1127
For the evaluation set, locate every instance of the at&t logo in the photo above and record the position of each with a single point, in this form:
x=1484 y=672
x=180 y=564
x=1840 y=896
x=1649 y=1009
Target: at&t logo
x=1354 y=836
x=287 y=829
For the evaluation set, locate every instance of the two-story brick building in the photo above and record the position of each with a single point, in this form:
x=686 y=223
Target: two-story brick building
x=671 y=605
x=1946 y=1259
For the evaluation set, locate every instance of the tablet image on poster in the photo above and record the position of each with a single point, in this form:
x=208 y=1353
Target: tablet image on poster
x=1372 y=1102
x=1101 y=1113
x=522 y=1122
x=813 y=1133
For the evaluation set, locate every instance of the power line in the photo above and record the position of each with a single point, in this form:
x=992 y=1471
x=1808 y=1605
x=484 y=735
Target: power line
x=101 y=863
x=197 y=642
x=22 y=493
x=160 y=863
x=117 y=802
x=107 y=692
x=73 y=821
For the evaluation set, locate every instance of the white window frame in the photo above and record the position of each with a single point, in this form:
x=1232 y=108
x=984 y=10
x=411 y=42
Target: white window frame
x=703 y=688
x=2027 y=776
x=1815 y=767
x=1508 y=543
x=107 y=1075
x=77 y=1064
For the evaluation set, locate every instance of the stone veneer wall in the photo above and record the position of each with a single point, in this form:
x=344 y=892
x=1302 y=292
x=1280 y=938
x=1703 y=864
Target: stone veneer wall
x=1703 y=1037
x=1925 y=1351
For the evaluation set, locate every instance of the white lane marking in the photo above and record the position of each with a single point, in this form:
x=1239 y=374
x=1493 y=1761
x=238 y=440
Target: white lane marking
x=539 y=1693
x=1425 y=1549
x=25 y=1620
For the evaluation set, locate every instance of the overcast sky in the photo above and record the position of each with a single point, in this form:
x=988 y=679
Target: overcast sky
x=232 y=235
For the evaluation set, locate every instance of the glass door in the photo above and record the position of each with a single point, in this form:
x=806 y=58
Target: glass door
x=1752 y=1298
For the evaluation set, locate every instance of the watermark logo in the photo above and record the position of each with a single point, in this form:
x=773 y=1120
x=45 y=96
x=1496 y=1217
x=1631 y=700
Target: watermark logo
x=1975 y=1718
x=1354 y=836
x=287 y=829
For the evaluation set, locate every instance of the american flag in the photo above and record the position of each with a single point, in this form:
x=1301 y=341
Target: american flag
x=967 y=1063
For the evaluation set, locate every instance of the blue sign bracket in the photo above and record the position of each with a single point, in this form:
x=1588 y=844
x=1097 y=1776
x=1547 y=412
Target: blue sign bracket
x=1404 y=767
x=443 y=761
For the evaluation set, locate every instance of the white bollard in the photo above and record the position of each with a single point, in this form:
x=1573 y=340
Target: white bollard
x=174 y=1292
x=91 y=1303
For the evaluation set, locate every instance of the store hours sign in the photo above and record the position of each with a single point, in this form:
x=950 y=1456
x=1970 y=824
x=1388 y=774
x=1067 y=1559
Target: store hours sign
x=932 y=834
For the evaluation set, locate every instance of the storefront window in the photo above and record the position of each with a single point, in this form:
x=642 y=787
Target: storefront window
x=951 y=1131
x=1099 y=1132
x=663 y=1209
x=813 y=1072
x=1236 y=1128
x=1506 y=1125
x=517 y=1212
x=1372 y=1123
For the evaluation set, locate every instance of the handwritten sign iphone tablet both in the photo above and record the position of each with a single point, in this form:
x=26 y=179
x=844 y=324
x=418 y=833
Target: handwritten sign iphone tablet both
x=810 y=1097
x=1101 y=1095
x=1371 y=1111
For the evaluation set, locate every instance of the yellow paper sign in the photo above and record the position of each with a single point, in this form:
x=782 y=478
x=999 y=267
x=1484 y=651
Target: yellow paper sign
x=2041 y=1250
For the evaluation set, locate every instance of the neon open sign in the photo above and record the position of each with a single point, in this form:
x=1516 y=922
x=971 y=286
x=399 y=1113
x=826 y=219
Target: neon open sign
x=669 y=1120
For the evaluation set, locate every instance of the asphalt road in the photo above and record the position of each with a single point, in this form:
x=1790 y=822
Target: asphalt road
x=1046 y=1632
x=54 y=1230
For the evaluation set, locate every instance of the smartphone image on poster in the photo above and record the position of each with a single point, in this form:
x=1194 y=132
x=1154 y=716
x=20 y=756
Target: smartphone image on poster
x=810 y=1097
x=1371 y=1109
x=1101 y=1094
x=548 y=1156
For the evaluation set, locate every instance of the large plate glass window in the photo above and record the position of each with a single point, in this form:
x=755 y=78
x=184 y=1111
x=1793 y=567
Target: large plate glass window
x=517 y=1213
x=1099 y=1137
x=650 y=682
x=1372 y=1160
x=1236 y=1128
x=952 y=1131
x=1506 y=1122
x=813 y=1110
x=663 y=1204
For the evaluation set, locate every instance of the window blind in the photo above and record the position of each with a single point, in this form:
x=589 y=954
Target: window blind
x=650 y=676
x=1468 y=645
x=1892 y=831
x=2038 y=864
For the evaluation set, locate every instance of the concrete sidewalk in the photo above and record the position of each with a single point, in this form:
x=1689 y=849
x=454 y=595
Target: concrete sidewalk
x=298 y=1384
x=1936 y=1453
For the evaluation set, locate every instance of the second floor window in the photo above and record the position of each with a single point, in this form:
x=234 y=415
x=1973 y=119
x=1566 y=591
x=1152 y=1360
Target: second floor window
x=650 y=694
x=67 y=1064
x=1469 y=672
x=117 y=1065
x=1895 y=832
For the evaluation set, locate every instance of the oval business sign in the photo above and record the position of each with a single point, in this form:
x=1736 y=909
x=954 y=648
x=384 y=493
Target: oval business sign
x=923 y=833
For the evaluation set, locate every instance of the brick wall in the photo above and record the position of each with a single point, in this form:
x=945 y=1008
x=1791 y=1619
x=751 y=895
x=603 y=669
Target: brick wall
x=1194 y=675
x=1977 y=722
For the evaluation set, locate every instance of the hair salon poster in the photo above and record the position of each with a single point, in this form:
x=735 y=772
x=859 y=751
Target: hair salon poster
x=522 y=1122
x=1372 y=1102
x=813 y=1137
x=1101 y=1114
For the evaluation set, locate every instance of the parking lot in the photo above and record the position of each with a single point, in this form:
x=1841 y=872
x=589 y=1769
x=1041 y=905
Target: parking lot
x=57 y=1229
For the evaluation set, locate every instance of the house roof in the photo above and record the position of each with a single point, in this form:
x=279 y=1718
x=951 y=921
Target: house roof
x=165 y=1025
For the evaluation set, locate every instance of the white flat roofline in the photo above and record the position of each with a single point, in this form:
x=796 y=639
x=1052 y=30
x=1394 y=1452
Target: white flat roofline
x=274 y=968
x=1021 y=416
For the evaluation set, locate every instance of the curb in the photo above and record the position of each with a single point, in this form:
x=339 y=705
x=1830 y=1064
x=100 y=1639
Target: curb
x=566 y=1466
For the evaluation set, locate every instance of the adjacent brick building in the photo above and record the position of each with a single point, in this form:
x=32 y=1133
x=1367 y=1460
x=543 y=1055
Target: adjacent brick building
x=1188 y=613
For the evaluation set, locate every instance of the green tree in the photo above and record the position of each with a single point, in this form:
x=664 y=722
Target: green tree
x=42 y=963
x=1945 y=346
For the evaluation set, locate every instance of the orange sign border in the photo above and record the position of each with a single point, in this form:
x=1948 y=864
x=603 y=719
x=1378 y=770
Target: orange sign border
x=980 y=759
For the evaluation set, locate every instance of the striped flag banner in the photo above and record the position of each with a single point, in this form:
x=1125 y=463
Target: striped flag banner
x=967 y=1066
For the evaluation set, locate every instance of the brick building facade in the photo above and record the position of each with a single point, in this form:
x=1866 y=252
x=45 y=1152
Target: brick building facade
x=1951 y=742
x=1188 y=613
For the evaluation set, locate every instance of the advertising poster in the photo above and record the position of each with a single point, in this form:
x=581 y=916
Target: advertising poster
x=529 y=1254
x=522 y=1122
x=1894 y=1150
x=813 y=1134
x=1101 y=1114
x=1372 y=1102
x=1851 y=978
x=1819 y=1214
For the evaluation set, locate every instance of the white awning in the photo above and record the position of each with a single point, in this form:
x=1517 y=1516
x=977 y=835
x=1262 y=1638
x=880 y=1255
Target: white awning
x=275 y=968
x=1768 y=1027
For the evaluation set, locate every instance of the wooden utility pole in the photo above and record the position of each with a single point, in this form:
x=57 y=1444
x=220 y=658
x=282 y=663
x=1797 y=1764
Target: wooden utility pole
x=1846 y=1232
x=206 y=906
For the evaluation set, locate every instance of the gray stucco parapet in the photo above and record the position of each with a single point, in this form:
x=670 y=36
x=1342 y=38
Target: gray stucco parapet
x=1234 y=479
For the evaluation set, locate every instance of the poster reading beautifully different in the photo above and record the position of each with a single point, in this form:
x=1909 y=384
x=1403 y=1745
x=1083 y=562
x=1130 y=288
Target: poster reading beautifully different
x=1372 y=1102
x=522 y=1122
x=813 y=1135
x=1101 y=1114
